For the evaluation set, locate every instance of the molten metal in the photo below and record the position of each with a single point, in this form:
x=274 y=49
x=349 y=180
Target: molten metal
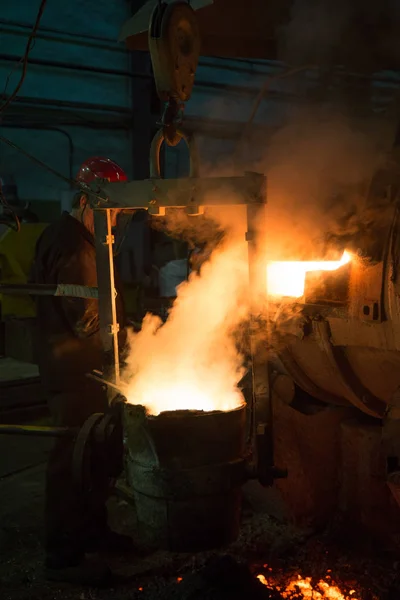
x=304 y=588
x=288 y=278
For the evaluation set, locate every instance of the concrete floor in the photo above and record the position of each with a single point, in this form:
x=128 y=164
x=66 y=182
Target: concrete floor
x=150 y=575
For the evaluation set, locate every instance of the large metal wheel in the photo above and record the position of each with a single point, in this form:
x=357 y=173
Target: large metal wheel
x=83 y=452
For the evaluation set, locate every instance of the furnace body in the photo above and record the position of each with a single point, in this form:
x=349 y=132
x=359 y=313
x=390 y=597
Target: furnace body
x=341 y=344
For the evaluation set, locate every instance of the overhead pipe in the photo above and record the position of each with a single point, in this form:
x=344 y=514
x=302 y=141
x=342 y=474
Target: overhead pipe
x=76 y=67
x=50 y=30
x=64 y=119
x=214 y=128
x=250 y=90
x=70 y=104
x=240 y=89
x=100 y=42
x=52 y=35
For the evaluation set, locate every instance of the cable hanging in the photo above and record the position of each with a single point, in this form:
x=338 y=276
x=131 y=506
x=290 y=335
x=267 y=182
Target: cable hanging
x=25 y=57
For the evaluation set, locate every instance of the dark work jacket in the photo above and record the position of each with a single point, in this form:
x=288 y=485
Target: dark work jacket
x=68 y=343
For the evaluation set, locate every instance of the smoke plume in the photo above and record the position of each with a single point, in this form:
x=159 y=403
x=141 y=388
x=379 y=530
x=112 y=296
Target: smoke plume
x=191 y=361
x=319 y=168
x=360 y=34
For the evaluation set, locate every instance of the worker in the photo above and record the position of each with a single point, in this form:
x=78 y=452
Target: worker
x=68 y=348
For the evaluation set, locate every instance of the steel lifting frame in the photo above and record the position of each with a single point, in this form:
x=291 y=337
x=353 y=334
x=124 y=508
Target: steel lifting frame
x=192 y=194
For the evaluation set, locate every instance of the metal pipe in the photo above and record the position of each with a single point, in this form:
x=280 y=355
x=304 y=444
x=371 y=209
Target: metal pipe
x=88 y=36
x=52 y=35
x=69 y=104
x=65 y=118
x=37 y=431
x=269 y=64
x=75 y=67
x=240 y=89
x=200 y=83
x=48 y=128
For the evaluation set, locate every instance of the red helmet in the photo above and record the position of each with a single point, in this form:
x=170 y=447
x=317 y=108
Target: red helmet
x=101 y=168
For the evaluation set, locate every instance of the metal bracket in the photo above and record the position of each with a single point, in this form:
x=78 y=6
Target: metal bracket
x=109 y=241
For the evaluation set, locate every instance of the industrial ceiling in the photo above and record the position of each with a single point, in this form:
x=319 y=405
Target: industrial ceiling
x=357 y=34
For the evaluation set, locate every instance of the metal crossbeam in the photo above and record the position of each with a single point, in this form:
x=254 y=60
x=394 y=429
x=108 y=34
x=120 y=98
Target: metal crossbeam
x=191 y=193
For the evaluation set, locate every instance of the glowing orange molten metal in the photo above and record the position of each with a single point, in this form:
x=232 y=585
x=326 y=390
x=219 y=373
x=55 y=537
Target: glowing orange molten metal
x=288 y=278
x=304 y=588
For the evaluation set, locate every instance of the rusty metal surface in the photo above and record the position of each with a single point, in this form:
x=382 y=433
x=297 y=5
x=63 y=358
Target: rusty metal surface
x=174 y=44
x=304 y=380
x=310 y=446
x=378 y=370
x=364 y=497
x=185 y=469
x=366 y=292
x=352 y=365
x=354 y=333
x=353 y=389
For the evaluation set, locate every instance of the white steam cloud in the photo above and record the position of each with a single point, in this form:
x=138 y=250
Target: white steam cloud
x=191 y=362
